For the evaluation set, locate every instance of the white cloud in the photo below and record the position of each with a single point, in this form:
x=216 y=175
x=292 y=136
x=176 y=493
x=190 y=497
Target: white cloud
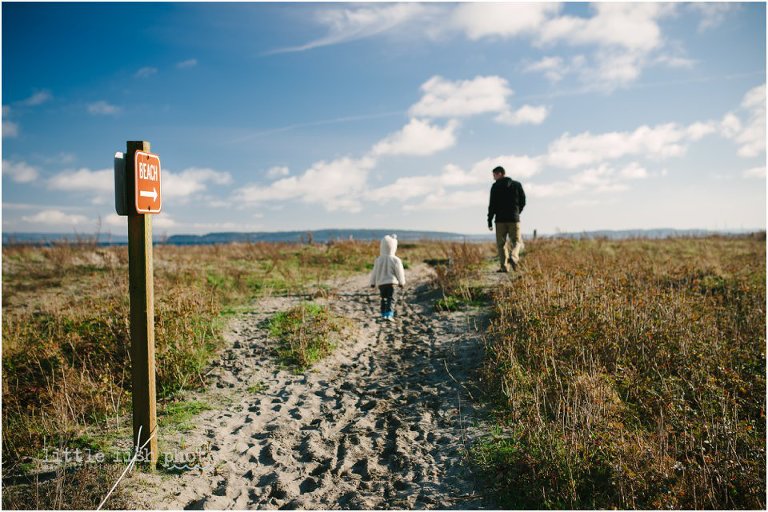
x=115 y=220
x=554 y=68
x=712 y=13
x=479 y=20
x=185 y=64
x=515 y=167
x=661 y=141
x=631 y=26
x=634 y=171
x=84 y=180
x=455 y=176
x=10 y=129
x=442 y=200
x=675 y=62
x=145 y=72
x=443 y=98
x=588 y=153
x=556 y=189
x=20 y=172
x=595 y=180
x=163 y=221
x=32 y=206
x=350 y=24
x=697 y=131
x=433 y=186
x=603 y=179
x=624 y=35
x=755 y=98
x=595 y=177
x=55 y=218
x=37 y=98
x=588 y=202
x=609 y=188
x=614 y=68
x=405 y=188
x=336 y=185
x=418 y=138
x=748 y=134
x=755 y=172
x=191 y=181
x=103 y=108
x=411 y=187
x=527 y=114
x=730 y=126
x=278 y=171
x=752 y=139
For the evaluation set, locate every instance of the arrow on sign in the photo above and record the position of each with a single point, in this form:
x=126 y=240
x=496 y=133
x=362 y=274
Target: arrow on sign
x=147 y=193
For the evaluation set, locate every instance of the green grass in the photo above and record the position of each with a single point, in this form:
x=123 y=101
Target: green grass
x=469 y=297
x=257 y=388
x=449 y=303
x=66 y=366
x=179 y=415
x=306 y=333
x=458 y=277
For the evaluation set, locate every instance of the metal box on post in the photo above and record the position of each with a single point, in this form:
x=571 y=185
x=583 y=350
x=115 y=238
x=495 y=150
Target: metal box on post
x=121 y=185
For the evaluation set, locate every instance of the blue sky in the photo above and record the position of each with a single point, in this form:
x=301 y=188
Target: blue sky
x=273 y=116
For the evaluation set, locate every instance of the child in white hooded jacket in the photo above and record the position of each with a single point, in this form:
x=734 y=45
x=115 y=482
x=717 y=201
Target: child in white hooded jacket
x=387 y=271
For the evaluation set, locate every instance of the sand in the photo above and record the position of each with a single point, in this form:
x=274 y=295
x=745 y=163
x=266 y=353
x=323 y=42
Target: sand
x=384 y=422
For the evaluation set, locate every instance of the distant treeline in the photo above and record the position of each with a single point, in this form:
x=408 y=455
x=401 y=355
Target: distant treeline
x=331 y=235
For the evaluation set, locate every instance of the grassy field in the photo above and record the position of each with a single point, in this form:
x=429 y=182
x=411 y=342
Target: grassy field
x=622 y=374
x=630 y=375
x=66 y=364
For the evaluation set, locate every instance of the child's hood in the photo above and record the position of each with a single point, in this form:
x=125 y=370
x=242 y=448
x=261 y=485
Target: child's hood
x=389 y=245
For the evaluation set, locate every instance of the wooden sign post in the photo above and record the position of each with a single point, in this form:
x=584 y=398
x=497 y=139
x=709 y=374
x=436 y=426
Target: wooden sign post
x=142 y=297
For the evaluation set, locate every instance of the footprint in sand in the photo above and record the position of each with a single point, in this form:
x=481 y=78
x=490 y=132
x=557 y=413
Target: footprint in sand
x=376 y=425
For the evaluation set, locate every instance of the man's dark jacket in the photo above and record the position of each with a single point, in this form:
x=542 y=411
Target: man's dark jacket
x=507 y=201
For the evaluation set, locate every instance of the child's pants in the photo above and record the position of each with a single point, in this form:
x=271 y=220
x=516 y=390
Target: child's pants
x=387 y=292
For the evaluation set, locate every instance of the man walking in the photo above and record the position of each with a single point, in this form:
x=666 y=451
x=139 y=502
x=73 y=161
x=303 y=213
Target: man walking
x=507 y=203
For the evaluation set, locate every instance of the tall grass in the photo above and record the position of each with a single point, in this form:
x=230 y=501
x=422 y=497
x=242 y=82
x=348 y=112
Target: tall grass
x=458 y=272
x=630 y=375
x=66 y=362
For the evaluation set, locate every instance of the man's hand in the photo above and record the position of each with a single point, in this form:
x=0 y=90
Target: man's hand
x=490 y=228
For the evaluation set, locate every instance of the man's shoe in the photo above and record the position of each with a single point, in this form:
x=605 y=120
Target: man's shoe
x=513 y=264
x=502 y=270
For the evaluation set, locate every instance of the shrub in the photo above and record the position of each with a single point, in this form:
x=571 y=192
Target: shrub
x=307 y=333
x=631 y=375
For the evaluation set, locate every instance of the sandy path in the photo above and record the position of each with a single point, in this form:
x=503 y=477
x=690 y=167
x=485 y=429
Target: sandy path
x=382 y=423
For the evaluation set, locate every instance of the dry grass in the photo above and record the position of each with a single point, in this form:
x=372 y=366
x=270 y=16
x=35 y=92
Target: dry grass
x=626 y=374
x=75 y=488
x=457 y=274
x=631 y=375
x=66 y=364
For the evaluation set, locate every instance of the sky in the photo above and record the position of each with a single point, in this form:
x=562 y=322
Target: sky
x=302 y=116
